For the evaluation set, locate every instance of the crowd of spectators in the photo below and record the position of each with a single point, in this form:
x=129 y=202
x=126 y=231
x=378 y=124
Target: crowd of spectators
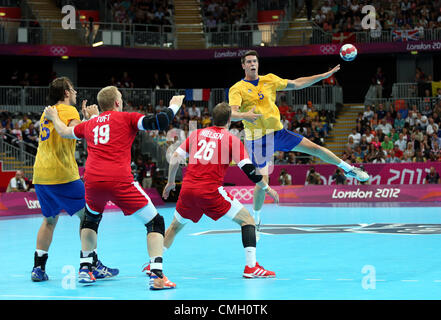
x=150 y=12
x=395 y=133
x=218 y=15
x=346 y=15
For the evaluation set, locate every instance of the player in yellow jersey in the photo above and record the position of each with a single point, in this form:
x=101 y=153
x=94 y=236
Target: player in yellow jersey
x=57 y=181
x=253 y=101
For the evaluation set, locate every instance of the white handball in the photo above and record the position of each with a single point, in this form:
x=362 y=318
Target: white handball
x=348 y=52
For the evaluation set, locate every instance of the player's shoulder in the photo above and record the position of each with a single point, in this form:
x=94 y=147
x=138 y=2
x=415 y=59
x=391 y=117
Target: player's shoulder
x=65 y=107
x=269 y=77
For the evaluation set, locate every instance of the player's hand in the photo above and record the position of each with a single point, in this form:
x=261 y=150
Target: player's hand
x=92 y=110
x=250 y=116
x=50 y=113
x=331 y=72
x=273 y=194
x=168 y=187
x=177 y=100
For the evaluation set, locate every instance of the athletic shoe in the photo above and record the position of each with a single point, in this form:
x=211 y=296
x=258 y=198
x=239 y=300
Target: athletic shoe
x=85 y=276
x=102 y=272
x=147 y=270
x=156 y=283
x=39 y=275
x=257 y=272
x=358 y=174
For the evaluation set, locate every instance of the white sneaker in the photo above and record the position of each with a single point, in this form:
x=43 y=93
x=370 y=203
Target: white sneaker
x=358 y=174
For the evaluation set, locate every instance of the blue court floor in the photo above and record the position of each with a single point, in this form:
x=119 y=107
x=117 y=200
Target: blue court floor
x=345 y=252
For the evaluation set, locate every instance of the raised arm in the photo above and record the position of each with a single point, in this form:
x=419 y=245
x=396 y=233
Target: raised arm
x=305 y=82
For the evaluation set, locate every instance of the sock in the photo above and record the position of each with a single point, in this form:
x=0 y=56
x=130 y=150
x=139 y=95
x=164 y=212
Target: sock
x=156 y=266
x=256 y=215
x=345 y=166
x=40 y=261
x=86 y=259
x=250 y=256
x=40 y=253
x=174 y=108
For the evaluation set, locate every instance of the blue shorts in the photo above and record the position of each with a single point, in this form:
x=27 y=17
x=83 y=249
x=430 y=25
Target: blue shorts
x=263 y=149
x=56 y=197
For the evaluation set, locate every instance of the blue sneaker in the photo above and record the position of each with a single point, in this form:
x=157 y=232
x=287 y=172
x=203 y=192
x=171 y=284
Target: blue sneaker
x=85 y=276
x=39 y=275
x=102 y=272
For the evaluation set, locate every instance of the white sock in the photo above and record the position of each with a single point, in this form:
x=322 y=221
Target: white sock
x=40 y=253
x=250 y=256
x=175 y=108
x=256 y=214
x=345 y=166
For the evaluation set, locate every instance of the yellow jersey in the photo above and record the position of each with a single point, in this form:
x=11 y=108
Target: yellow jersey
x=55 y=161
x=262 y=95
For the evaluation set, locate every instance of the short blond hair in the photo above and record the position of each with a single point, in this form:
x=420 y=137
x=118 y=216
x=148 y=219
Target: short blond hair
x=107 y=97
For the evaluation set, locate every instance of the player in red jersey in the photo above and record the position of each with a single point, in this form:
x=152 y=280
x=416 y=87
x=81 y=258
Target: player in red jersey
x=108 y=176
x=210 y=151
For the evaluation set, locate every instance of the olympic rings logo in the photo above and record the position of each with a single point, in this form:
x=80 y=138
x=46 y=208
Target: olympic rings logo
x=58 y=51
x=328 y=49
x=242 y=194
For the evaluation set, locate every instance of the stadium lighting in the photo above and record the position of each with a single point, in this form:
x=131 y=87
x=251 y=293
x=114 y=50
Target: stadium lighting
x=2 y=14
x=97 y=44
x=64 y=57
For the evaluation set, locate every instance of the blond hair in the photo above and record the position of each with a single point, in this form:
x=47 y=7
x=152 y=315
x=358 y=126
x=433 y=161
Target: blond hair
x=107 y=97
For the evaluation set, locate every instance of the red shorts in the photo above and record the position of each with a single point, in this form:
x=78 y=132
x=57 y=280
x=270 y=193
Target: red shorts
x=215 y=203
x=128 y=196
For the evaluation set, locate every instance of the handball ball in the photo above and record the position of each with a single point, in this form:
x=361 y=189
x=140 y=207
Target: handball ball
x=348 y=52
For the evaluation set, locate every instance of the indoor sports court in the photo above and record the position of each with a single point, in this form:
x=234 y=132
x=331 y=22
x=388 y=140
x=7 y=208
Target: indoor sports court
x=377 y=251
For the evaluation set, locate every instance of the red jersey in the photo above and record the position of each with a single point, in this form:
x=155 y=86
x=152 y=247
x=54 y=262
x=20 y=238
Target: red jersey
x=109 y=138
x=210 y=151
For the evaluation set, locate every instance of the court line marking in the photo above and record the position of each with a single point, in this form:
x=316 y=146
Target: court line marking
x=312 y=279
x=409 y=280
x=345 y=279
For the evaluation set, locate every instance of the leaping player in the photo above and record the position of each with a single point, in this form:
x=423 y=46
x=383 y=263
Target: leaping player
x=253 y=101
x=210 y=151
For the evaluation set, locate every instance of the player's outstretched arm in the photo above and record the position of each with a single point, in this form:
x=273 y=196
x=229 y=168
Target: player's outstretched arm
x=162 y=120
x=64 y=131
x=305 y=82
x=250 y=116
x=175 y=161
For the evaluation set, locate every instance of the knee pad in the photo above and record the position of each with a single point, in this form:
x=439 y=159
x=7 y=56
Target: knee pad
x=90 y=220
x=156 y=225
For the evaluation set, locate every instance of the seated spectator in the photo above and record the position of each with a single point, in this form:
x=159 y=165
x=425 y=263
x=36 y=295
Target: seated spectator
x=285 y=178
x=384 y=126
x=387 y=144
x=356 y=136
x=419 y=157
x=351 y=145
x=398 y=153
x=280 y=158
x=368 y=114
x=17 y=183
x=399 y=122
x=194 y=112
x=409 y=153
x=401 y=142
x=381 y=113
x=206 y=120
x=432 y=177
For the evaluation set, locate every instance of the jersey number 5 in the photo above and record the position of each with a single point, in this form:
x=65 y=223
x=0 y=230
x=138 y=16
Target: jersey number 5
x=101 y=134
x=206 y=151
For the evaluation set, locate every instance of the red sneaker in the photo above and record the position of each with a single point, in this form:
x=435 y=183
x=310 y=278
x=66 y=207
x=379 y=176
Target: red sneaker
x=257 y=272
x=156 y=283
